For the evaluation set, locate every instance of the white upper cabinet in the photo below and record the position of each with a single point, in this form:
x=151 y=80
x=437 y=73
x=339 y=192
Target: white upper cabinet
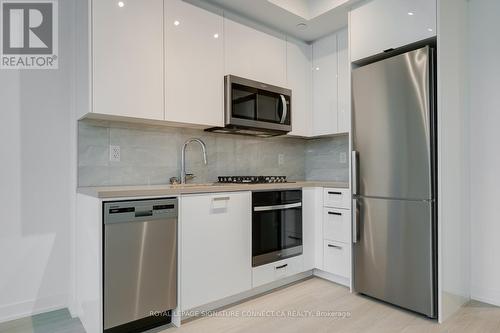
x=299 y=80
x=379 y=25
x=325 y=94
x=254 y=55
x=194 y=65
x=128 y=58
x=344 y=82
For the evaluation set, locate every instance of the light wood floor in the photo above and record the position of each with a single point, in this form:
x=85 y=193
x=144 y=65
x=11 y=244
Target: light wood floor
x=366 y=314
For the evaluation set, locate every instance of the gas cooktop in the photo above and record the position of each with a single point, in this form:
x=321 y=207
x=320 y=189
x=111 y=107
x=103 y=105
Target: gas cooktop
x=252 y=179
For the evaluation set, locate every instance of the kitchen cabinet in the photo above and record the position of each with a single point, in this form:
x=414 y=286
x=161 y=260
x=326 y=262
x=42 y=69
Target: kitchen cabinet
x=127 y=61
x=254 y=55
x=325 y=84
x=344 y=82
x=299 y=80
x=277 y=270
x=337 y=258
x=216 y=250
x=194 y=65
x=337 y=224
x=337 y=198
x=379 y=25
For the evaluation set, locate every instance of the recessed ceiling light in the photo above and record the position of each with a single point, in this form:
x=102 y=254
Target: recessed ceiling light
x=302 y=26
x=176 y=23
x=121 y=4
x=316 y=68
x=430 y=30
x=411 y=13
x=216 y=36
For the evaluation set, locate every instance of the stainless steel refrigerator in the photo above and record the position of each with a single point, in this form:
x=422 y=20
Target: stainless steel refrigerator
x=394 y=180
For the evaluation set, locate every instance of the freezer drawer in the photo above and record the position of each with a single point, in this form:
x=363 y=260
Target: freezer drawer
x=393 y=256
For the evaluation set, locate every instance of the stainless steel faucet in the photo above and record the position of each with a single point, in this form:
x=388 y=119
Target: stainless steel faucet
x=183 y=157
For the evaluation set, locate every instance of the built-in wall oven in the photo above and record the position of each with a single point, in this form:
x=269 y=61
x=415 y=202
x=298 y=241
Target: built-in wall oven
x=276 y=226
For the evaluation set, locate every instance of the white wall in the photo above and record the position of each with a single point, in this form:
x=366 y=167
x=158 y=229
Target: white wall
x=37 y=177
x=453 y=157
x=484 y=25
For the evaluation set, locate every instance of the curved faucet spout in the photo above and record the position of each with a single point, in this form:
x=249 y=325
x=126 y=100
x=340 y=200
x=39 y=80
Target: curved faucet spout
x=183 y=156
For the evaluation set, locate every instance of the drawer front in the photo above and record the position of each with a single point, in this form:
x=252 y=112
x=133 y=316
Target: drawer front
x=277 y=270
x=337 y=224
x=337 y=258
x=337 y=198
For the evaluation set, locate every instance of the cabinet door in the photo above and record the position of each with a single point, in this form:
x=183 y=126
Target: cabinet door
x=379 y=25
x=325 y=93
x=128 y=58
x=194 y=63
x=254 y=55
x=216 y=249
x=337 y=258
x=299 y=80
x=344 y=82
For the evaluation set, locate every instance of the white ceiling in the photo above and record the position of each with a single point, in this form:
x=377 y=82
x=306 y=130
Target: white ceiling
x=321 y=16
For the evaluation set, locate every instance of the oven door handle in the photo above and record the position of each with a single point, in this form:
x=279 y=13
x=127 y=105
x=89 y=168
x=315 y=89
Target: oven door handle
x=276 y=207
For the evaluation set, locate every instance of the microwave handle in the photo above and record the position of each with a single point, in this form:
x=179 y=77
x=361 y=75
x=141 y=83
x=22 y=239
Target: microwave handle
x=285 y=109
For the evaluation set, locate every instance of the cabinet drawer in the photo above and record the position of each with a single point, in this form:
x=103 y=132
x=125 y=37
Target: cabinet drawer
x=337 y=198
x=337 y=258
x=277 y=270
x=337 y=224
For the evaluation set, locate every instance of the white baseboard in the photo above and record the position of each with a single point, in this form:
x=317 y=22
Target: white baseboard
x=32 y=307
x=489 y=296
x=332 y=277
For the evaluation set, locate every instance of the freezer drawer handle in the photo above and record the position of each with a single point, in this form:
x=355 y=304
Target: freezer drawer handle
x=335 y=213
x=282 y=266
x=335 y=246
x=335 y=193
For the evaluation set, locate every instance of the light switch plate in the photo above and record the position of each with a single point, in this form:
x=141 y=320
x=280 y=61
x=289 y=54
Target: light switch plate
x=343 y=157
x=114 y=154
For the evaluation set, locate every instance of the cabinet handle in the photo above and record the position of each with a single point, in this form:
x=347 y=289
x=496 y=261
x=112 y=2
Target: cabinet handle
x=335 y=193
x=335 y=246
x=222 y=199
x=282 y=266
x=294 y=237
x=335 y=213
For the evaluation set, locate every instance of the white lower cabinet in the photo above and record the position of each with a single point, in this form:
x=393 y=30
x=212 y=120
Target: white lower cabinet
x=337 y=258
x=277 y=270
x=337 y=198
x=337 y=224
x=216 y=249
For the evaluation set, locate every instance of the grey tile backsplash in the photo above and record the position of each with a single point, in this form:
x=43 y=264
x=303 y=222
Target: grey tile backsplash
x=151 y=155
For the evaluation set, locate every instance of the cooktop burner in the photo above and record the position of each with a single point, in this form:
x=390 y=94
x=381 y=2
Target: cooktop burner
x=252 y=179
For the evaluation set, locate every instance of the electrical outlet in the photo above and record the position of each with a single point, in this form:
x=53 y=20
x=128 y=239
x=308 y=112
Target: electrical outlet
x=281 y=159
x=114 y=154
x=343 y=157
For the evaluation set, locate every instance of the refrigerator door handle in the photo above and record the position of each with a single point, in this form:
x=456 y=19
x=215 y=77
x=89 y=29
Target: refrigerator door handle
x=355 y=221
x=354 y=166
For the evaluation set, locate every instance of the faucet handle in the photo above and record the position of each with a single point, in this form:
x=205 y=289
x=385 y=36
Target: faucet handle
x=190 y=176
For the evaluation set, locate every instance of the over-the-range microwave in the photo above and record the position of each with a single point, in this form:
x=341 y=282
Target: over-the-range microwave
x=255 y=108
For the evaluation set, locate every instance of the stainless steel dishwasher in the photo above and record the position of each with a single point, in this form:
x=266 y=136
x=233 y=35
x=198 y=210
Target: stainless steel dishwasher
x=140 y=264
